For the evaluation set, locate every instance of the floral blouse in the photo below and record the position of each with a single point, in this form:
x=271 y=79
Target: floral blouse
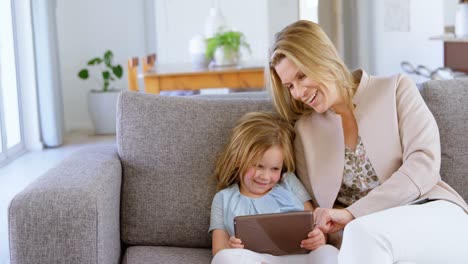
x=359 y=177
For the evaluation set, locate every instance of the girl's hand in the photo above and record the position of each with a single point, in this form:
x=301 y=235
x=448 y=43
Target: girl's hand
x=235 y=242
x=316 y=238
x=221 y=240
x=332 y=220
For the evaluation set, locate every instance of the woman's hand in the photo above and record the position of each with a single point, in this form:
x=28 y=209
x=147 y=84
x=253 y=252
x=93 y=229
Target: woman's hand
x=332 y=220
x=316 y=238
x=235 y=242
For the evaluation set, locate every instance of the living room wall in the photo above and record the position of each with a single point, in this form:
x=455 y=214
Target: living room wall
x=87 y=28
x=177 y=21
x=379 y=35
x=134 y=28
x=390 y=47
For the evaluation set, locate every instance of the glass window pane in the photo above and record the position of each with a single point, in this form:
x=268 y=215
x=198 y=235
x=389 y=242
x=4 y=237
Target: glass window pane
x=8 y=81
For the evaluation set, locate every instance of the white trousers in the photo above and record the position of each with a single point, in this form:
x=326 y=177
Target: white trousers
x=431 y=233
x=323 y=255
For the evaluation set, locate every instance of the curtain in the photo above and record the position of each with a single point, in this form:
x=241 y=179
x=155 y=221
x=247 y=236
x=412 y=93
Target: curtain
x=350 y=24
x=330 y=18
x=48 y=72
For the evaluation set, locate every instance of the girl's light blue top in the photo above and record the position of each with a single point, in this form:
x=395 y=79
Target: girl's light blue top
x=287 y=196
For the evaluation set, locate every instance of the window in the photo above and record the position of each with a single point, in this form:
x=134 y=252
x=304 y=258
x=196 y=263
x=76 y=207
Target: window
x=11 y=135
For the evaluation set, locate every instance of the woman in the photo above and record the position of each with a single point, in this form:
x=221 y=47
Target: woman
x=368 y=150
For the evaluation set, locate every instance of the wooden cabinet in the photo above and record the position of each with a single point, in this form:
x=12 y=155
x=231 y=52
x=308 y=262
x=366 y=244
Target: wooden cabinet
x=185 y=77
x=455 y=52
x=456 y=55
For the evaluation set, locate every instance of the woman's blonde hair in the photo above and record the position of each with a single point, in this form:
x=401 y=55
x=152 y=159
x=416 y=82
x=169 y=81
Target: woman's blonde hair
x=308 y=47
x=253 y=135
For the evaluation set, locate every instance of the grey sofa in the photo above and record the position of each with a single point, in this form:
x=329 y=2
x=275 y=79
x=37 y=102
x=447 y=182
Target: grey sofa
x=147 y=199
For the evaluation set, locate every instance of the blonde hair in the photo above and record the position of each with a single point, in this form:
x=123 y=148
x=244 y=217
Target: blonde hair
x=308 y=47
x=253 y=135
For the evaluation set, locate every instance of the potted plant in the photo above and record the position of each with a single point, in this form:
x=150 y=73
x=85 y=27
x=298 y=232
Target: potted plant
x=224 y=47
x=102 y=102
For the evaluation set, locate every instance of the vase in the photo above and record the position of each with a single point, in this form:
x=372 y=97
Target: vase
x=461 y=21
x=214 y=23
x=102 y=107
x=197 y=49
x=225 y=57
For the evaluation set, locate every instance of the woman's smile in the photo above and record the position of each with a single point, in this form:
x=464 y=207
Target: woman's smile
x=311 y=99
x=318 y=95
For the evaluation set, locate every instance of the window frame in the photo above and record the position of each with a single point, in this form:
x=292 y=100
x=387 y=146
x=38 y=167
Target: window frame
x=9 y=154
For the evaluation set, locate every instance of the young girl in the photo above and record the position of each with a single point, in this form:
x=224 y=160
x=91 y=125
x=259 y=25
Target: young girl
x=254 y=174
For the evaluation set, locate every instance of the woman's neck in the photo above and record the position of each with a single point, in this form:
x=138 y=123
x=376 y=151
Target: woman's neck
x=343 y=110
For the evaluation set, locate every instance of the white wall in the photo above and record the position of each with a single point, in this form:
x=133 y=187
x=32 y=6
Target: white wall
x=308 y=10
x=450 y=8
x=414 y=46
x=380 y=49
x=280 y=14
x=177 y=21
x=87 y=28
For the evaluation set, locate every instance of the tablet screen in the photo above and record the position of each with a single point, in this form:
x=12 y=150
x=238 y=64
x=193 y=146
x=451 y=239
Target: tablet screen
x=277 y=234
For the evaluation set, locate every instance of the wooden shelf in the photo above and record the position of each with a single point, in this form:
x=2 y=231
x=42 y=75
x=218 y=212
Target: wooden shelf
x=449 y=38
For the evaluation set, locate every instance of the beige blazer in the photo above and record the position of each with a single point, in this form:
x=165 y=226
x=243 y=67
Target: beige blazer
x=400 y=136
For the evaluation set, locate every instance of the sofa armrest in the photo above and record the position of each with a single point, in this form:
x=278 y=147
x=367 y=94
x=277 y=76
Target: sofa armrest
x=70 y=214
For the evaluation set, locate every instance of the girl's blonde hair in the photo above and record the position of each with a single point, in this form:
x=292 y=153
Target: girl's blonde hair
x=253 y=135
x=308 y=47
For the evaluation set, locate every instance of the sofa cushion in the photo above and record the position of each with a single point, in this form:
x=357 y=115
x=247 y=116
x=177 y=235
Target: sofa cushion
x=168 y=147
x=447 y=100
x=169 y=255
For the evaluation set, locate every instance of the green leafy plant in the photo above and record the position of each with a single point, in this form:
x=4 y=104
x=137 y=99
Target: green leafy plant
x=231 y=40
x=109 y=71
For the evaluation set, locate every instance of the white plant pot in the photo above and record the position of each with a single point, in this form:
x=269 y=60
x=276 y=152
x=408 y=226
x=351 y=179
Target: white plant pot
x=197 y=49
x=102 y=108
x=199 y=60
x=225 y=57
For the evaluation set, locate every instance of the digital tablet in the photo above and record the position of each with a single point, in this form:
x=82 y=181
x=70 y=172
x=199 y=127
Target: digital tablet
x=277 y=234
